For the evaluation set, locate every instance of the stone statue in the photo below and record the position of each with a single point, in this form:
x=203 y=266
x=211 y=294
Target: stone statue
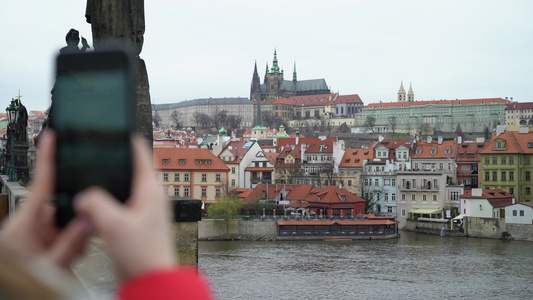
x=21 y=132
x=120 y=24
x=73 y=39
x=115 y=22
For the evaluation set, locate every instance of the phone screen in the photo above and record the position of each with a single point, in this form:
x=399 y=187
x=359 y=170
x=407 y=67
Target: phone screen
x=92 y=119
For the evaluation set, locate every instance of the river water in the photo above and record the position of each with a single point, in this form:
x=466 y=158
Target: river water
x=414 y=266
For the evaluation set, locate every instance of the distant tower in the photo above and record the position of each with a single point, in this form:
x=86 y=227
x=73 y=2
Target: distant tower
x=255 y=90
x=401 y=93
x=294 y=77
x=410 y=94
x=273 y=79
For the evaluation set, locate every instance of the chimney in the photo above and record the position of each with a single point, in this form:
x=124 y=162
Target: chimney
x=514 y=200
x=440 y=140
x=480 y=140
x=303 y=147
x=297 y=136
x=500 y=129
x=477 y=192
x=459 y=140
x=429 y=139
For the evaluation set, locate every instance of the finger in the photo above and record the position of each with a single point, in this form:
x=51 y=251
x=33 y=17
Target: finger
x=100 y=208
x=143 y=175
x=43 y=186
x=70 y=243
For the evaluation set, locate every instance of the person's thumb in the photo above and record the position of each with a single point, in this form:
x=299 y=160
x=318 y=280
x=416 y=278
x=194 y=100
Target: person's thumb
x=99 y=207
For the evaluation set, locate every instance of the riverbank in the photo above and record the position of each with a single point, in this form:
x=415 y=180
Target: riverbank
x=268 y=230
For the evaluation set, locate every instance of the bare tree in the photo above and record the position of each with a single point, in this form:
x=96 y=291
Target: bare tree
x=157 y=119
x=425 y=129
x=197 y=117
x=234 y=121
x=175 y=117
x=392 y=123
x=370 y=122
x=343 y=128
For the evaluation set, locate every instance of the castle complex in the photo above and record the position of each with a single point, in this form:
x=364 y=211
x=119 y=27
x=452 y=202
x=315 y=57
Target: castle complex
x=275 y=86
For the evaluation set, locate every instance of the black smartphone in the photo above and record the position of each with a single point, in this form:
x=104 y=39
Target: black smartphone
x=93 y=107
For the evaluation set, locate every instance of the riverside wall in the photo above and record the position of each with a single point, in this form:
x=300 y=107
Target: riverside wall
x=238 y=229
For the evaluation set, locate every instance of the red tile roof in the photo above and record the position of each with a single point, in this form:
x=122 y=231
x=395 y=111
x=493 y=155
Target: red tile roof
x=496 y=197
x=190 y=155
x=236 y=148
x=520 y=105
x=354 y=158
x=469 y=152
x=438 y=102
x=514 y=143
x=289 y=141
x=423 y=149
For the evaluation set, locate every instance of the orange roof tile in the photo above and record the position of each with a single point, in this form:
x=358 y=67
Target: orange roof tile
x=186 y=159
x=354 y=158
x=514 y=143
x=423 y=149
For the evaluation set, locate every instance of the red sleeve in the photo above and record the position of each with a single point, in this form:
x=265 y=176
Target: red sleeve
x=177 y=283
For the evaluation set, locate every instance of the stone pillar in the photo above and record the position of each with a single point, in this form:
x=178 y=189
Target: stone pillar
x=187 y=213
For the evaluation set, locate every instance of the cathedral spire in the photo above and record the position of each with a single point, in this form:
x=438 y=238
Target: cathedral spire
x=410 y=94
x=275 y=67
x=401 y=93
x=294 y=78
x=255 y=90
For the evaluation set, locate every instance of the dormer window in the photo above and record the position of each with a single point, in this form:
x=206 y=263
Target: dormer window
x=447 y=151
x=433 y=151
x=165 y=161
x=182 y=161
x=418 y=151
x=207 y=161
x=198 y=161
x=343 y=198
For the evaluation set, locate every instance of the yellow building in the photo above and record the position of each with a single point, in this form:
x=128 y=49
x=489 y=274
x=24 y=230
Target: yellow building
x=191 y=173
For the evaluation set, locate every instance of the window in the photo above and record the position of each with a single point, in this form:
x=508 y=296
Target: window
x=232 y=170
x=403 y=212
x=424 y=197
x=186 y=192
x=207 y=162
x=487 y=160
x=528 y=176
x=528 y=191
x=386 y=182
x=454 y=195
x=403 y=197
x=511 y=175
x=198 y=161
x=371 y=196
x=511 y=160
x=393 y=181
x=165 y=161
x=511 y=191
x=217 y=193
x=165 y=176
x=495 y=160
x=349 y=183
x=182 y=161
x=504 y=176
x=204 y=192
x=376 y=182
x=204 y=177
x=393 y=196
x=527 y=160
x=176 y=191
x=494 y=176
x=504 y=160
x=441 y=166
x=521 y=213
x=413 y=197
x=386 y=196
x=176 y=177
x=217 y=177
x=343 y=198
x=515 y=212
x=165 y=191
x=389 y=209
x=434 y=197
x=487 y=175
x=233 y=182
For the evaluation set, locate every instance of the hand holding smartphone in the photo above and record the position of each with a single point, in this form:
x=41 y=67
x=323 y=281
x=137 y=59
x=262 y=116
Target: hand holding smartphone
x=93 y=119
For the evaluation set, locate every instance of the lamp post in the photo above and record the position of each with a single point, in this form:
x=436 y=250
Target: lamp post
x=12 y=115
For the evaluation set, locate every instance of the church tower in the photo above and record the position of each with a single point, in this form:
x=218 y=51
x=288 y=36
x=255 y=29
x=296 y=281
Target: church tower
x=273 y=79
x=294 y=77
x=255 y=90
x=401 y=93
x=410 y=94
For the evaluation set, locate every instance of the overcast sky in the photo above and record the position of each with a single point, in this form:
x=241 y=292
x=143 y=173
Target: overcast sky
x=197 y=49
